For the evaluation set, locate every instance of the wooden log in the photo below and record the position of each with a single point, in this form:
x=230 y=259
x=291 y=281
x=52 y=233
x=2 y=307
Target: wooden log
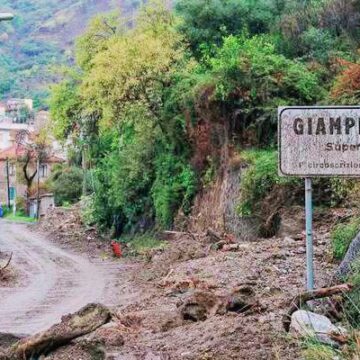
x=301 y=299
x=72 y=326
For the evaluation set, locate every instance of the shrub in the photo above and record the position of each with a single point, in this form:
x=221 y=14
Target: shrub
x=142 y=244
x=341 y=237
x=345 y=90
x=174 y=187
x=259 y=179
x=20 y=203
x=318 y=351
x=352 y=300
x=68 y=185
x=88 y=211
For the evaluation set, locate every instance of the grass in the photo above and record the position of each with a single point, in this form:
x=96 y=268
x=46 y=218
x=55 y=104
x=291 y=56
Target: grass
x=142 y=244
x=341 y=237
x=317 y=351
x=19 y=217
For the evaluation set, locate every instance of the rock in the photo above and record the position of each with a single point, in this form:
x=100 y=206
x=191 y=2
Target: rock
x=352 y=255
x=194 y=312
x=202 y=304
x=94 y=348
x=151 y=356
x=308 y=324
x=230 y=247
x=111 y=335
x=301 y=250
x=241 y=299
x=289 y=241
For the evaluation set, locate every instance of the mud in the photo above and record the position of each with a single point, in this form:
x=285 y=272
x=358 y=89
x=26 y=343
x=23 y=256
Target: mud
x=52 y=281
x=147 y=296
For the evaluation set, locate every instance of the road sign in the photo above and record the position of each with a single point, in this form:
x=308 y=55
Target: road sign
x=319 y=141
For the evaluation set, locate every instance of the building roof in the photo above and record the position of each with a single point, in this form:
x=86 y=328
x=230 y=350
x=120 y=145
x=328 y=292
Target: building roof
x=17 y=151
x=12 y=152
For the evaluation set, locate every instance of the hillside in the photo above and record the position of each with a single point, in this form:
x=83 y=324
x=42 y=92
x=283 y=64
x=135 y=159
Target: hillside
x=42 y=35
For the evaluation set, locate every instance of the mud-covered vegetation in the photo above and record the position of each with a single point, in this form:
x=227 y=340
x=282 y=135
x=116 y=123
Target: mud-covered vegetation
x=185 y=100
x=157 y=110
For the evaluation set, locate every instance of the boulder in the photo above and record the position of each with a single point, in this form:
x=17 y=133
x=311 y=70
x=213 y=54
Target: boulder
x=308 y=324
x=200 y=305
x=351 y=257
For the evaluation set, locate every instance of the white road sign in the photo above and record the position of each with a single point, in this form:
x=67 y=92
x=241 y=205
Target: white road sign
x=319 y=141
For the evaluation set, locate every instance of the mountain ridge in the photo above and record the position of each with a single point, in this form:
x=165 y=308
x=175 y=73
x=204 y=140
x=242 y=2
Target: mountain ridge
x=42 y=36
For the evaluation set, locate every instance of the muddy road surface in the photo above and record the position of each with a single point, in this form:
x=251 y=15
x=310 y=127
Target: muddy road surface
x=52 y=281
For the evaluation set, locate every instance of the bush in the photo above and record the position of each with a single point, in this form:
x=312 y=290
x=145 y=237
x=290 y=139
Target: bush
x=174 y=187
x=20 y=204
x=67 y=186
x=317 y=351
x=259 y=179
x=88 y=211
x=142 y=244
x=341 y=237
x=352 y=300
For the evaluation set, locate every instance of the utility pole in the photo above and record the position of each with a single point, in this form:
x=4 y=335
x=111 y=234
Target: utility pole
x=38 y=189
x=7 y=17
x=8 y=183
x=15 y=187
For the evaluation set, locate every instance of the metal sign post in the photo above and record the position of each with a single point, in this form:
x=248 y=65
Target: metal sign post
x=309 y=235
x=318 y=141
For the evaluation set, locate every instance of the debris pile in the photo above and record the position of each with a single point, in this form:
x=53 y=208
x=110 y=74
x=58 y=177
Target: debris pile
x=65 y=226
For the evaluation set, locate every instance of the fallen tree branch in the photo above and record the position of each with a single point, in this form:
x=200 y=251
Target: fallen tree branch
x=7 y=264
x=301 y=299
x=72 y=326
x=169 y=233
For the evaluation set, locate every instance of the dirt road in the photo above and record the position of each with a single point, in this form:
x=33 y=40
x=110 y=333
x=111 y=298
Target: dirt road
x=52 y=281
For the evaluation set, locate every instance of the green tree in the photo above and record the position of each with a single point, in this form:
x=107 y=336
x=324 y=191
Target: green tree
x=206 y=22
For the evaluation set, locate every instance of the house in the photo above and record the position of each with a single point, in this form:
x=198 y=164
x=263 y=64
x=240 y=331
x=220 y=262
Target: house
x=12 y=133
x=20 y=110
x=19 y=126
x=17 y=104
x=11 y=171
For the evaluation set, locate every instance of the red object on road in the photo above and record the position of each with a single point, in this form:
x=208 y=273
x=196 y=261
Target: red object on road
x=116 y=249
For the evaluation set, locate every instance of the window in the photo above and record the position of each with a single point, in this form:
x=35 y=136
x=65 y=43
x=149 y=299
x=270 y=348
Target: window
x=12 y=191
x=43 y=171
x=12 y=169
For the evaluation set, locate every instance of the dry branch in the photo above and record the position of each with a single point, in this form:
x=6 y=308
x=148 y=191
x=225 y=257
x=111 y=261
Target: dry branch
x=72 y=326
x=7 y=264
x=167 y=235
x=301 y=299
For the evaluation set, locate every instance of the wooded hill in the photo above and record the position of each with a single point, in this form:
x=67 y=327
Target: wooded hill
x=41 y=37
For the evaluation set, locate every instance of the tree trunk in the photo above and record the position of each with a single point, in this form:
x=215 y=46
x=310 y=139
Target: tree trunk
x=72 y=326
